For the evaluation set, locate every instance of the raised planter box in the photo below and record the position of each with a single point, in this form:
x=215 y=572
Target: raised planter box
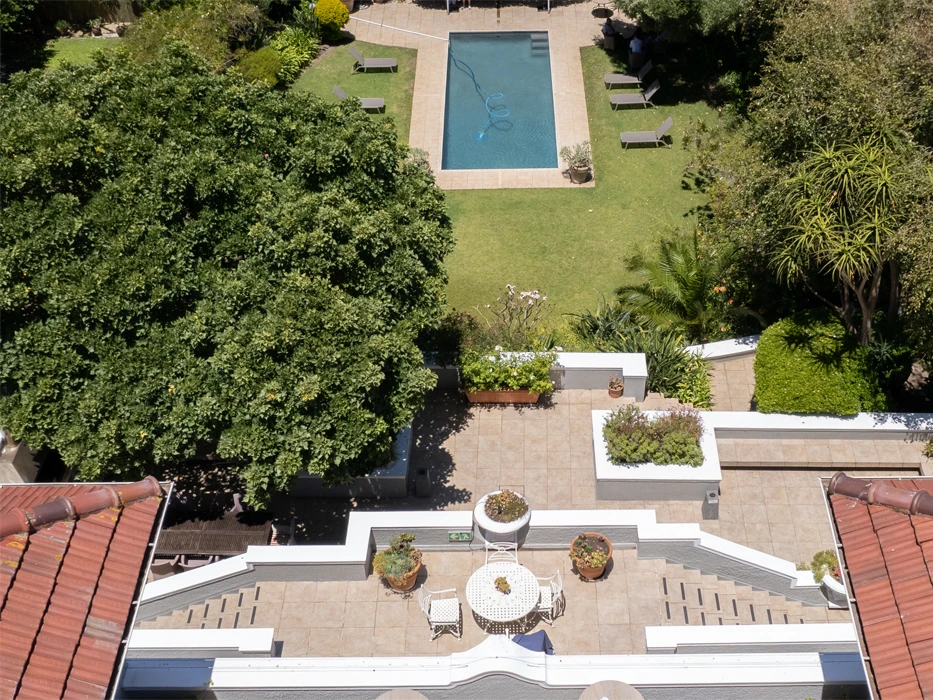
x=494 y=531
x=655 y=482
x=513 y=396
x=835 y=592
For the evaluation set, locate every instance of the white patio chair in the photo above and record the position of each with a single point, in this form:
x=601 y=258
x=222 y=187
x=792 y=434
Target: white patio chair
x=442 y=610
x=552 y=597
x=502 y=551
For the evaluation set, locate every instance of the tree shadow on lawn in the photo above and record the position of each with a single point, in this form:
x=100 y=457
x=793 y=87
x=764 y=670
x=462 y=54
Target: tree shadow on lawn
x=23 y=51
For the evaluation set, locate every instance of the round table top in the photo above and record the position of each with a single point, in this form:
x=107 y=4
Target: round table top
x=611 y=690
x=489 y=603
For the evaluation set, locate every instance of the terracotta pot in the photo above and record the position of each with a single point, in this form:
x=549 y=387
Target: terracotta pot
x=407 y=582
x=587 y=572
x=96 y=31
x=348 y=4
x=579 y=175
x=615 y=393
x=522 y=396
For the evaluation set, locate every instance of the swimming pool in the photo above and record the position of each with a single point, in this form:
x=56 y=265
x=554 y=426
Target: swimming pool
x=499 y=111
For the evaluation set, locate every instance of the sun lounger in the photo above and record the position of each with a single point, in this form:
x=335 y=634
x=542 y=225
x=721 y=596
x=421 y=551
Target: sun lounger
x=623 y=79
x=655 y=137
x=375 y=103
x=641 y=98
x=365 y=64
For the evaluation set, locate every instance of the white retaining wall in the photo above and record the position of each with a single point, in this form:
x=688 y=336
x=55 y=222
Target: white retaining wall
x=682 y=543
x=731 y=349
x=199 y=644
x=484 y=671
x=745 y=639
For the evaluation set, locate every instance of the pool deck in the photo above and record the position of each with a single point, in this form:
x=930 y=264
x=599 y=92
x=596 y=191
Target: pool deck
x=569 y=28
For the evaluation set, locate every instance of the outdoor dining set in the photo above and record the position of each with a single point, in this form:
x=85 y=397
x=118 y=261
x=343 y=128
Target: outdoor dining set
x=502 y=593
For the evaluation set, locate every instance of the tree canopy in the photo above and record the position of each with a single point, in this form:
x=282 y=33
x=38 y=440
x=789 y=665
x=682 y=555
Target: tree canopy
x=194 y=264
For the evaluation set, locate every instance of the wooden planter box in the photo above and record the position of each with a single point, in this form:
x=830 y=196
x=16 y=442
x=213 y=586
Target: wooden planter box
x=503 y=396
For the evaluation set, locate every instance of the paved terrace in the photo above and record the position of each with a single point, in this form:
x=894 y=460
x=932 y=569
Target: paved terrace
x=546 y=453
x=364 y=618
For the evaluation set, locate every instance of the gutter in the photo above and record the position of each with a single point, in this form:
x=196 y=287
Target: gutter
x=117 y=678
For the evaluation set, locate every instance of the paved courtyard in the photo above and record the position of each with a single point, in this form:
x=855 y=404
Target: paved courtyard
x=546 y=453
x=365 y=618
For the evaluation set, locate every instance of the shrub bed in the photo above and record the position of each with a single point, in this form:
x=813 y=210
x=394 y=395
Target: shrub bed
x=481 y=371
x=672 y=438
x=811 y=365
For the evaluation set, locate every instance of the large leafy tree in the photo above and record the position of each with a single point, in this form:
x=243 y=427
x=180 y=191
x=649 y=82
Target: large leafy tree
x=190 y=263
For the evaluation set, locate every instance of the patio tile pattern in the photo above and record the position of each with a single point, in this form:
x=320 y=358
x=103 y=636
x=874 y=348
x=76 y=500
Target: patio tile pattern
x=365 y=618
x=569 y=27
x=733 y=383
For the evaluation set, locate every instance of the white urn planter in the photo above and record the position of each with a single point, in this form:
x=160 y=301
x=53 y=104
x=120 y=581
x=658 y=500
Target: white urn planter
x=494 y=531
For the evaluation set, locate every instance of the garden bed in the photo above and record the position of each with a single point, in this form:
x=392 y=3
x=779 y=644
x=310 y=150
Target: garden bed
x=654 y=482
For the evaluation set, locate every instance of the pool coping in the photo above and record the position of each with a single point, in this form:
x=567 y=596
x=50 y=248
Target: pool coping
x=504 y=178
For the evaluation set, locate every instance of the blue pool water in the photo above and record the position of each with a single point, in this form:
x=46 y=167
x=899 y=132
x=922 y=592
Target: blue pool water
x=500 y=106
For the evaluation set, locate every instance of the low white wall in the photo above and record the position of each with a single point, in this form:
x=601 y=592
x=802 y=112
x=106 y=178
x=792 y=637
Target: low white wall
x=655 y=482
x=735 y=639
x=578 y=370
x=862 y=426
x=653 y=675
x=198 y=643
x=727 y=349
x=683 y=543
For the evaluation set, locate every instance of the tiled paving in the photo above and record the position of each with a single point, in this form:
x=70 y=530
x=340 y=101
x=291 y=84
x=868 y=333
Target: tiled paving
x=364 y=618
x=733 y=383
x=569 y=26
x=546 y=453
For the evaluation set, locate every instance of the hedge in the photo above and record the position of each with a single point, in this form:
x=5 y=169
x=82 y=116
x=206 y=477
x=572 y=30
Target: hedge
x=810 y=364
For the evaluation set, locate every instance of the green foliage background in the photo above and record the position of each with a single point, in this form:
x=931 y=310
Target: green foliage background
x=190 y=263
x=810 y=364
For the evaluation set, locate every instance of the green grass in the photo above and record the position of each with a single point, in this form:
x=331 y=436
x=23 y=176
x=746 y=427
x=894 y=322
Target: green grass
x=76 y=50
x=333 y=68
x=572 y=243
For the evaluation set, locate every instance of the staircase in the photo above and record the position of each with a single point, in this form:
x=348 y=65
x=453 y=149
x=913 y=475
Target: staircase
x=689 y=597
x=230 y=610
x=539 y=44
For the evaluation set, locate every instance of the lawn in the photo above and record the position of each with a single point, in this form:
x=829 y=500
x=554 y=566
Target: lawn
x=333 y=68
x=76 y=50
x=572 y=243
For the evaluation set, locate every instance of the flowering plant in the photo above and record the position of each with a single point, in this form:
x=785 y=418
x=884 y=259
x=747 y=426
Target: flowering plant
x=516 y=319
x=483 y=371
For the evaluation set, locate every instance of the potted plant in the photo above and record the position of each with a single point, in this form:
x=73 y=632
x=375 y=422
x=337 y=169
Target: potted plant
x=505 y=506
x=579 y=160
x=506 y=377
x=399 y=564
x=502 y=585
x=121 y=29
x=94 y=24
x=62 y=27
x=590 y=553
x=616 y=385
x=501 y=516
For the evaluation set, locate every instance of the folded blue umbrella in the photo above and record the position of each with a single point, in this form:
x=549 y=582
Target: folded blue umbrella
x=537 y=641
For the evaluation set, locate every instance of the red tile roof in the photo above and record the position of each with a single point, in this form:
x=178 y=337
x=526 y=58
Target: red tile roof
x=888 y=555
x=67 y=586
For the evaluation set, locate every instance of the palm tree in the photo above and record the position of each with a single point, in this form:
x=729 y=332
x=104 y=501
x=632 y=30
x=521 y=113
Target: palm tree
x=843 y=207
x=681 y=289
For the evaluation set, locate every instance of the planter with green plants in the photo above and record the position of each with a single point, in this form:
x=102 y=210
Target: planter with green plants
x=95 y=26
x=827 y=573
x=399 y=564
x=579 y=160
x=501 y=515
x=590 y=553
x=506 y=377
x=616 y=387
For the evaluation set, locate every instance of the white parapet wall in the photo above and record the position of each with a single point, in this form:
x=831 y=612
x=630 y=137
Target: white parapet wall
x=201 y=643
x=683 y=543
x=713 y=676
x=745 y=639
x=785 y=426
x=722 y=350
x=655 y=482
x=578 y=370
